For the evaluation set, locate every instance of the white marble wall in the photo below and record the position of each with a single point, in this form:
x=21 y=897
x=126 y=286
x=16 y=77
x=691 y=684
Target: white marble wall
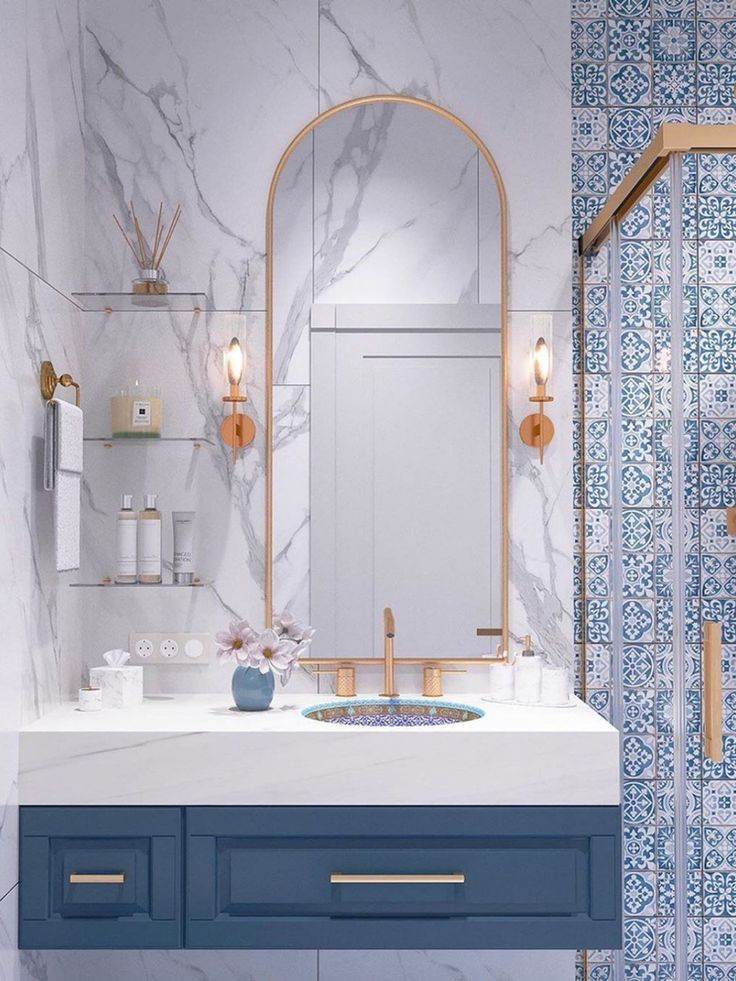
x=192 y=103
x=294 y=965
x=41 y=233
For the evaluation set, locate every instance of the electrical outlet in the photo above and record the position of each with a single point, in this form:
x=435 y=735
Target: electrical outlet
x=143 y=648
x=168 y=647
x=171 y=648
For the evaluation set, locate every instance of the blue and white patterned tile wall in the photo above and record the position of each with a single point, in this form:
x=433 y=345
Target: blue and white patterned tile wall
x=637 y=63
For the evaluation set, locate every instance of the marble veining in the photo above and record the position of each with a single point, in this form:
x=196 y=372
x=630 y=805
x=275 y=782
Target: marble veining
x=531 y=756
x=130 y=100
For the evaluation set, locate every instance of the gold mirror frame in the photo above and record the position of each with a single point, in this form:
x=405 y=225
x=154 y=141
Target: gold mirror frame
x=406 y=100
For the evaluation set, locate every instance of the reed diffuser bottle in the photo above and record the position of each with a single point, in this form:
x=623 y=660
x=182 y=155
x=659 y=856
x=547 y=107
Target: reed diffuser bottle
x=149 y=256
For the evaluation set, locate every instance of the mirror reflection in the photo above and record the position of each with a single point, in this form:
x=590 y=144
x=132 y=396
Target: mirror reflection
x=388 y=385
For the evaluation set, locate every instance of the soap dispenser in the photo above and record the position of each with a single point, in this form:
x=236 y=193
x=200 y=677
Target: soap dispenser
x=528 y=675
x=149 y=542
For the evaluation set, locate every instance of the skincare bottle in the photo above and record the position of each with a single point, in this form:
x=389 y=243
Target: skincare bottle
x=149 y=541
x=183 y=541
x=528 y=675
x=126 y=541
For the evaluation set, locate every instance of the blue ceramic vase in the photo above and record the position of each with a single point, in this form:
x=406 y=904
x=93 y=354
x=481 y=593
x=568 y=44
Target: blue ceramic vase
x=252 y=691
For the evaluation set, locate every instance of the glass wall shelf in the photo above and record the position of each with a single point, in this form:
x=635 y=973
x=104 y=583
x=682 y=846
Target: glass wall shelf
x=110 y=441
x=142 y=302
x=106 y=582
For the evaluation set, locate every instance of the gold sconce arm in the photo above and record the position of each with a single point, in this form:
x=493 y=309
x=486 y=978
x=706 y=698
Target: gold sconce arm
x=48 y=380
x=712 y=692
x=537 y=429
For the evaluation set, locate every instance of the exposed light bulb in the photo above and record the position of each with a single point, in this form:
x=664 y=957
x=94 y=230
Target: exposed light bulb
x=541 y=362
x=234 y=362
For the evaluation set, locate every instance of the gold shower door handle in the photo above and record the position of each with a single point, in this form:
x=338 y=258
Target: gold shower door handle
x=97 y=878
x=712 y=691
x=440 y=878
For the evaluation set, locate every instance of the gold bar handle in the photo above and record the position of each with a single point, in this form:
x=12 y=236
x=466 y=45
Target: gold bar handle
x=712 y=691
x=489 y=632
x=97 y=878
x=440 y=878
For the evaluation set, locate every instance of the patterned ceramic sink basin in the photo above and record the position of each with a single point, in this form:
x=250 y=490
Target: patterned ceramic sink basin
x=403 y=712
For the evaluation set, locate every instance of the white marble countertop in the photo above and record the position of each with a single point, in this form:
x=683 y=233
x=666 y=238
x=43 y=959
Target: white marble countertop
x=196 y=749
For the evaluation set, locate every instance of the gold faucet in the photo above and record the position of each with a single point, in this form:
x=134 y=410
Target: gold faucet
x=389 y=632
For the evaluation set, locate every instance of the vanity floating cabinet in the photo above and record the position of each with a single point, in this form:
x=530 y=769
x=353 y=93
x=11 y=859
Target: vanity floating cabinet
x=320 y=877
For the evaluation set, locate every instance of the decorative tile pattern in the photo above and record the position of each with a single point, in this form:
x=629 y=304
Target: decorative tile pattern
x=663 y=60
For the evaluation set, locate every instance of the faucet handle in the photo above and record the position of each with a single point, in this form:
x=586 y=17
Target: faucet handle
x=344 y=678
x=432 y=678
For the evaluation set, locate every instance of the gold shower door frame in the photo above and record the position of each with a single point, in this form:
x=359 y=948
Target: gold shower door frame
x=669 y=139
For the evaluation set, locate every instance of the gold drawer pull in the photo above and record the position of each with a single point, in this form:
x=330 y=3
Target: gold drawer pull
x=712 y=691
x=441 y=878
x=98 y=878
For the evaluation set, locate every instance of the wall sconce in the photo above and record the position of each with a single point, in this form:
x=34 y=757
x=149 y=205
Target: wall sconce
x=537 y=429
x=236 y=429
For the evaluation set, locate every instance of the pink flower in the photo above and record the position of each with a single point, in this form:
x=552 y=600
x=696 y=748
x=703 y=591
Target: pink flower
x=235 y=641
x=286 y=625
x=271 y=652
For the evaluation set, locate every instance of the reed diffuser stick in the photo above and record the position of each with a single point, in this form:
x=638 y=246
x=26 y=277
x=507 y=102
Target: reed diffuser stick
x=141 y=240
x=177 y=215
x=130 y=244
x=157 y=233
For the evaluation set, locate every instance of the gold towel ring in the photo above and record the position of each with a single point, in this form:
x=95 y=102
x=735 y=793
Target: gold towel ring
x=49 y=380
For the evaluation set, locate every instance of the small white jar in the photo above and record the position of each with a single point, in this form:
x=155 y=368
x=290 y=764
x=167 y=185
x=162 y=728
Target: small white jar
x=555 y=686
x=528 y=680
x=501 y=682
x=90 y=699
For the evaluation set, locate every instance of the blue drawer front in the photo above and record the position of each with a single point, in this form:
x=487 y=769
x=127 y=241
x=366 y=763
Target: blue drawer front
x=100 y=877
x=533 y=877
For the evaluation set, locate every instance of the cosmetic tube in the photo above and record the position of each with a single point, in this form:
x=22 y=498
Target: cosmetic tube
x=183 y=522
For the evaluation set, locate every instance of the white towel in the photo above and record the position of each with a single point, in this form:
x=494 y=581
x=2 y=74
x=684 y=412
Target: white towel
x=62 y=474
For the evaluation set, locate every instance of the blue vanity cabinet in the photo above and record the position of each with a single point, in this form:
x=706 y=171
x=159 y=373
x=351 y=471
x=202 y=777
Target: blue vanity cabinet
x=320 y=877
x=100 y=877
x=411 y=877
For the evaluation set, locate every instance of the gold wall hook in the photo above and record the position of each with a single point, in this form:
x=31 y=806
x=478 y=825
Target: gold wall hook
x=48 y=380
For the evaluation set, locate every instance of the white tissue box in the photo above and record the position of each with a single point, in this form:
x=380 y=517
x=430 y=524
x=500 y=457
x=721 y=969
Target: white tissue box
x=121 y=687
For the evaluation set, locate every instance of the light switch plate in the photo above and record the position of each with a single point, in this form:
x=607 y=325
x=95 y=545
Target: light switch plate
x=171 y=648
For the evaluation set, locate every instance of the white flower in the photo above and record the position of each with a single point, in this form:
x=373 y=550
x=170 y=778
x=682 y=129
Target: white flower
x=299 y=651
x=236 y=640
x=286 y=625
x=270 y=652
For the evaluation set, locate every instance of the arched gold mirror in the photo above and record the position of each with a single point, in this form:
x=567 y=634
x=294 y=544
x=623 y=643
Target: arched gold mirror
x=386 y=380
